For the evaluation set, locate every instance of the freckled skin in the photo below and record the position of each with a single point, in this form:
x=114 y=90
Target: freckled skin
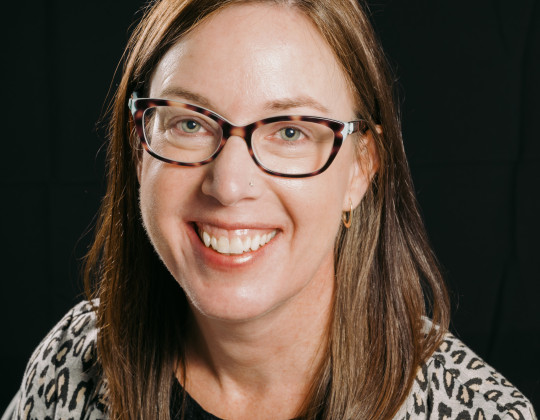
x=239 y=72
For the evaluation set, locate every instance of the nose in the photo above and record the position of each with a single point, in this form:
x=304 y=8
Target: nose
x=230 y=178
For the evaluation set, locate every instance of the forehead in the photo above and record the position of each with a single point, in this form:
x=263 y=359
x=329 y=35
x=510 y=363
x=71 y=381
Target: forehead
x=245 y=56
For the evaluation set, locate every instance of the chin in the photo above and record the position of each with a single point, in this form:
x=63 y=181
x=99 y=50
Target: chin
x=233 y=308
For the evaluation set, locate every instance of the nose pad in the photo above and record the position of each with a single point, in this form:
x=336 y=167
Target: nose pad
x=230 y=176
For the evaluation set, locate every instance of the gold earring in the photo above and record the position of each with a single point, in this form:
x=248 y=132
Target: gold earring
x=346 y=217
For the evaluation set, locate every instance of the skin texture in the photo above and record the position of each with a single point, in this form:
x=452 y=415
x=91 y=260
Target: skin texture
x=260 y=317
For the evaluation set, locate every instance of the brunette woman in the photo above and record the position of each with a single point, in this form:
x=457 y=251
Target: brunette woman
x=259 y=252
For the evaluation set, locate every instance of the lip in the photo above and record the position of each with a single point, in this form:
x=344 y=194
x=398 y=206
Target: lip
x=209 y=257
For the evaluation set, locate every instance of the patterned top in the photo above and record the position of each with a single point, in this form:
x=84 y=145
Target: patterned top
x=62 y=381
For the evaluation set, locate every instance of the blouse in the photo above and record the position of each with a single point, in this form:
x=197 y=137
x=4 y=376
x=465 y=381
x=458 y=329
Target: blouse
x=63 y=380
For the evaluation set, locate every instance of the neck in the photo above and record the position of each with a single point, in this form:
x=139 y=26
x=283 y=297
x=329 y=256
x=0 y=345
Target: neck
x=271 y=358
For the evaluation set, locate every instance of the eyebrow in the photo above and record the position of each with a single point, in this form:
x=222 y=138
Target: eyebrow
x=285 y=104
x=297 y=102
x=179 y=92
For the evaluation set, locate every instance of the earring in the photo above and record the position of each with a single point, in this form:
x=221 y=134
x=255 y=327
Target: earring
x=251 y=183
x=346 y=217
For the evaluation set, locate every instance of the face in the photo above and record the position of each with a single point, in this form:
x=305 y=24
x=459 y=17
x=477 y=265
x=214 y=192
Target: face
x=274 y=236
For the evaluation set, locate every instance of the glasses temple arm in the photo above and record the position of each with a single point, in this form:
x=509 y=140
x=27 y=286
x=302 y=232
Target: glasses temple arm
x=354 y=126
x=131 y=102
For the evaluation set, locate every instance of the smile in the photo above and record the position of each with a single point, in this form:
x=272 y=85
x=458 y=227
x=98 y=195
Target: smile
x=234 y=242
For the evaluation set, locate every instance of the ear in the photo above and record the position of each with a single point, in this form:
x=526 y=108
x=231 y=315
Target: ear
x=363 y=170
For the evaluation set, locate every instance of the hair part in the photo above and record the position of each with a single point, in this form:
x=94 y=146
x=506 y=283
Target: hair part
x=386 y=272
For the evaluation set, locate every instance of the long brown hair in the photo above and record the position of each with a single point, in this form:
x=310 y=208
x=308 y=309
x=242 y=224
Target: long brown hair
x=387 y=277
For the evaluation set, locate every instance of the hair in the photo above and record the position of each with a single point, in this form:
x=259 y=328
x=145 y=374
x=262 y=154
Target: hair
x=387 y=278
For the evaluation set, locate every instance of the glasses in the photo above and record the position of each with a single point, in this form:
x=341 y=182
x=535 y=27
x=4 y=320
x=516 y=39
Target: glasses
x=288 y=146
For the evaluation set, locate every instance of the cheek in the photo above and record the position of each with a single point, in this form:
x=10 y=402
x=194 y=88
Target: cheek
x=152 y=190
x=160 y=200
x=322 y=203
x=315 y=206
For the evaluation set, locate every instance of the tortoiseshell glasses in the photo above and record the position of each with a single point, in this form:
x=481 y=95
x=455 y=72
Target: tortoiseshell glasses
x=287 y=146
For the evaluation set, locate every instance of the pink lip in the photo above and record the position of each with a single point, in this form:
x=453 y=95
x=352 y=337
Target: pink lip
x=235 y=226
x=211 y=258
x=220 y=230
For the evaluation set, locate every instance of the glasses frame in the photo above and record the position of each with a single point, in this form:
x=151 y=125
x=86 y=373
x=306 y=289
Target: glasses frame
x=341 y=130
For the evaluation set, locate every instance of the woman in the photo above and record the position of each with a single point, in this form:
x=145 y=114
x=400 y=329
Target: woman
x=259 y=252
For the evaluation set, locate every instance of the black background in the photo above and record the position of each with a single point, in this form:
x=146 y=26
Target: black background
x=468 y=74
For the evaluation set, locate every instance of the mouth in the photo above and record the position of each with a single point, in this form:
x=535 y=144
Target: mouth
x=234 y=242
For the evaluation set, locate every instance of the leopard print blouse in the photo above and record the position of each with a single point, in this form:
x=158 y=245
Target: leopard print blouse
x=62 y=381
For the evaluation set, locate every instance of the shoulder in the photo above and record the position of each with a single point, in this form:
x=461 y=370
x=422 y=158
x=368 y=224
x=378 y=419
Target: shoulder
x=456 y=383
x=62 y=378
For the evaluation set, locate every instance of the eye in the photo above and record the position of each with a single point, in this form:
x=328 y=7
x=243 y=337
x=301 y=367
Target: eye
x=190 y=126
x=290 y=134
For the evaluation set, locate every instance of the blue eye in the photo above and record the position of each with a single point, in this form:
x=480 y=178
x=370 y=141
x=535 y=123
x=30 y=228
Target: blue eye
x=190 y=126
x=289 y=134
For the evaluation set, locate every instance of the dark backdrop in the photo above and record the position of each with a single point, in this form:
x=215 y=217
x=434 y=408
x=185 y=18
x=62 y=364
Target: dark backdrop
x=468 y=74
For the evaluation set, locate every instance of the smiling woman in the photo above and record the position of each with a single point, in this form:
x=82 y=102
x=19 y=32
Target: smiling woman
x=259 y=253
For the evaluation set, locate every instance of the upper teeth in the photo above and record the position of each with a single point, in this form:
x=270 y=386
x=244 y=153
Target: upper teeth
x=236 y=245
